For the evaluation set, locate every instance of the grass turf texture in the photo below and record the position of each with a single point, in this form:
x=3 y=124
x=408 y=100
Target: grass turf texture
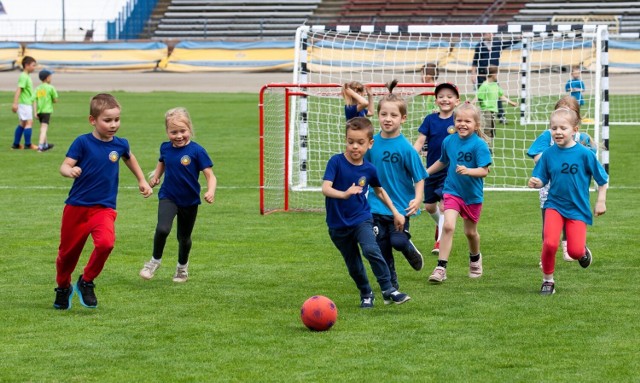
x=237 y=318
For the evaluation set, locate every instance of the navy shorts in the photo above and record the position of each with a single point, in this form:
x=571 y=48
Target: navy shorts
x=433 y=187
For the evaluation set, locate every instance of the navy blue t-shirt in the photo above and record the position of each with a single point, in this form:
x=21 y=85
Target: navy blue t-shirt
x=182 y=169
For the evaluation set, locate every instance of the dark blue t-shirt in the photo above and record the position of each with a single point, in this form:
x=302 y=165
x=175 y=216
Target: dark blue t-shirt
x=182 y=169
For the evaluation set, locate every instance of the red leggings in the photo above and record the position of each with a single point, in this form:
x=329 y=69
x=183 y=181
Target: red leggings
x=576 y=238
x=78 y=222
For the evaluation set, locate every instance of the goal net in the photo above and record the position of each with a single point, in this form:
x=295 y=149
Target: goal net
x=302 y=123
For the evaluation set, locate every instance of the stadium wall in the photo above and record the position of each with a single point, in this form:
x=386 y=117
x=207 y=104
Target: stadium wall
x=263 y=56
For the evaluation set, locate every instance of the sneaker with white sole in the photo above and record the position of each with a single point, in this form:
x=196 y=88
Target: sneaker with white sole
x=181 y=274
x=149 y=269
x=395 y=297
x=548 y=288
x=413 y=256
x=565 y=253
x=366 y=302
x=436 y=248
x=475 y=268
x=587 y=259
x=439 y=275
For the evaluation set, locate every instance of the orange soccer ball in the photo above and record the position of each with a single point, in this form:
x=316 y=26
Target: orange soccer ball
x=319 y=313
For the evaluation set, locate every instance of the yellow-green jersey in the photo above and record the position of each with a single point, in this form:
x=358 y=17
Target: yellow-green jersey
x=25 y=83
x=45 y=96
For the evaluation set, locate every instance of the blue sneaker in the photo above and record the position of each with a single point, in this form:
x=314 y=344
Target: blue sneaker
x=548 y=288
x=366 y=302
x=63 y=298
x=395 y=297
x=86 y=294
x=413 y=255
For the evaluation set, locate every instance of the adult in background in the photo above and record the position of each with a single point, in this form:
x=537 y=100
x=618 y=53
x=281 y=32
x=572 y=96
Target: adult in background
x=487 y=53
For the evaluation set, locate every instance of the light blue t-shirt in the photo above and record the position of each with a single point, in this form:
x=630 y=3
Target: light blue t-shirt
x=545 y=141
x=570 y=171
x=399 y=167
x=472 y=152
x=576 y=84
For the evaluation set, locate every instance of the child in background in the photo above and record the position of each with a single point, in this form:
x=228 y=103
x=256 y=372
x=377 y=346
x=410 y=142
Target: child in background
x=430 y=76
x=345 y=184
x=543 y=142
x=488 y=95
x=93 y=162
x=181 y=160
x=569 y=168
x=355 y=103
x=402 y=175
x=575 y=86
x=434 y=129
x=46 y=96
x=466 y=157
x=23 y=100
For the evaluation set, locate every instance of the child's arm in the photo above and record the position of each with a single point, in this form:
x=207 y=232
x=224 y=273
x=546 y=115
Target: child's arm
x=419 y=144
x=370 y=105
x=414 y=204
x=330 y=192
x=601 y=206
x=69 y=168
x=143 y=185
x=156 y=174
x=436 y=167
x=16 y=97
x=212 y=183
x=398 y=219
x=506 y=99
x=472 y=172
x=356 y=98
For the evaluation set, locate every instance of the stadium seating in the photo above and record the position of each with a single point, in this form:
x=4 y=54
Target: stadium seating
x=233 y=19
x=626 y=13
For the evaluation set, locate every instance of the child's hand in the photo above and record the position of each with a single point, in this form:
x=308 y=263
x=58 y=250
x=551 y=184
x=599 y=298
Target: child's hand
x=398 y=221
x=14 y=108
x=535 y=183
x=600 y=208
x=154 y=181
x=145 y=189
x=209 y=197
x=461 y=169
x=414 y=207
x=75 y=172
x=353 y=189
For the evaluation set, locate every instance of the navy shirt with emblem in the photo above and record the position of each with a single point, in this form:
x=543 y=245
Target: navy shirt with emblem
x=99 y=161
x=182 y=169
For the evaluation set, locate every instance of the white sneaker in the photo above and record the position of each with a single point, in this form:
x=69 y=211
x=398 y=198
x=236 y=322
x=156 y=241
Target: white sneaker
x=149 y=269
x=439 y=275
x=475 y=268
x=565 y=253
x=181 y=274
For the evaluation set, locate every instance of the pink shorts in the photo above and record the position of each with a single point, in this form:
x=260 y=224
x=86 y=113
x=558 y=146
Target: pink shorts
x=470 y=212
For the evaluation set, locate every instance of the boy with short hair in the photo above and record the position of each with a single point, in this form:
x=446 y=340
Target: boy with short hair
x=93 y=161
x=345 y=184
x=23 y=100
x=46 y=96
x=489 y=93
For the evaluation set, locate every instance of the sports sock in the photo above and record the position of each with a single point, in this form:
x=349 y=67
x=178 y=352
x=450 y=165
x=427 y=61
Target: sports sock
x=27 y=137
x=442 y=263
x=436 y=216
x=440 y=225
x=18 y=135
x=474 y=258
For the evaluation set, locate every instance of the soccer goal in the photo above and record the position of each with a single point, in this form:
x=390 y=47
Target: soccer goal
x=302 y=123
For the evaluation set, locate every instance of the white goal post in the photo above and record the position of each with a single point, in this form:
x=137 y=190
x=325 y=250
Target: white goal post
x=302 y=123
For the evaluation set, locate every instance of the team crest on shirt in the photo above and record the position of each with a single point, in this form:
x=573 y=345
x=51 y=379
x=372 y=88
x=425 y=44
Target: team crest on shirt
x=185 y=160
x=113 y=156
x=362 y=181
x=451 y=129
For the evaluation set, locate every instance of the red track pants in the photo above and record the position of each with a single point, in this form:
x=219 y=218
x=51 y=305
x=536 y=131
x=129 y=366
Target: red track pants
x=78 y=222
x=576 y=238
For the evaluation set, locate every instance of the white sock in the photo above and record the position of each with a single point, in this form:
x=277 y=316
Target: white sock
x=435 y=216
x=440 y=226
x=155 y=260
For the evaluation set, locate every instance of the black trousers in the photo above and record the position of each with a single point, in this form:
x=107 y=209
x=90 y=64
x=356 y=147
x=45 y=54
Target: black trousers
x=167 y=211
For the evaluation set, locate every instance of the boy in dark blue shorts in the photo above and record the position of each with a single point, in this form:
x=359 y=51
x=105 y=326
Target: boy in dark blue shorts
x=346 y=181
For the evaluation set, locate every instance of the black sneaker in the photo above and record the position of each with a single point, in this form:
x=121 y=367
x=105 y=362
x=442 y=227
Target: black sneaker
x=86 y=294
x=366 y=302
x=587 y=259
x=395 y=297
x=63 y=298
x=19 y=146
x=548 y=288
x=413 y=255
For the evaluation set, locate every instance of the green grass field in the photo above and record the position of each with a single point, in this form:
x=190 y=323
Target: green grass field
x=237 y=318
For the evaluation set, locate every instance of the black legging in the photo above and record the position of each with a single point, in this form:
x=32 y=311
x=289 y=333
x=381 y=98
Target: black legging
x=167 y=211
